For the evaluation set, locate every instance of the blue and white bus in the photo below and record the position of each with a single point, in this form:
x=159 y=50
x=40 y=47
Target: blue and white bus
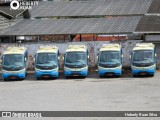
x=14 y=63
x=143 y=59
x=46 y=62
x=76 y=61
x=110 y=60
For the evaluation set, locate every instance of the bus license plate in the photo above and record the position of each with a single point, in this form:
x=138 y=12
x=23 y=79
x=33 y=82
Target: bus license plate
x=13 y=77
x=46 y=76
x=143 y=73
x=75 y=75
x=110 y=74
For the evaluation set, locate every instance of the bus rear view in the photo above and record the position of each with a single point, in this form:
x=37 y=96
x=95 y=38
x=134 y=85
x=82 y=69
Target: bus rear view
x=46 y=62
x=110 y=60
x=76 y=61
x=143 y=59
x=14 y=63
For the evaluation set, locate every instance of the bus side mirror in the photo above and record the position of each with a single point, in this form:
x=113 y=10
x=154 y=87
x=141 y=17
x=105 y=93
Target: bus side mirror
x=63 y=58
x=155 y=55
x=34 y=59
x=1 y=59
x=88 y=56
x=25 y=59
x=130 y=56
x=58 y=58
x=122 y=56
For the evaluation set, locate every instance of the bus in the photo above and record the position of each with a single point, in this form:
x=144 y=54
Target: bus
x=110 y=60
x=46 y=62
x=143 y=59
x=14 y=63
x=76 y=61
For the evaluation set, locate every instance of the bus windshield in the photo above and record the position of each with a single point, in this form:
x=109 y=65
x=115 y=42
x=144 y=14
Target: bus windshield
x=76 y=58
x=110 y=57
x=145 y=56
x=47 y=59
x=14 y=61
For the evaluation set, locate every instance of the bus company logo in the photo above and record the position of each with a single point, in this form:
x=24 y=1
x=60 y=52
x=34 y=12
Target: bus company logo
x=22 y=4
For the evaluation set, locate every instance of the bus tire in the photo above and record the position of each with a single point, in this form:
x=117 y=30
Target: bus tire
x=38 y=78
x=83 y=77
x=134 y=75
x=118 y=76
x=67 y=77
x=101 y=76
x=22 y=79
x=152 y=75
x=54 y=78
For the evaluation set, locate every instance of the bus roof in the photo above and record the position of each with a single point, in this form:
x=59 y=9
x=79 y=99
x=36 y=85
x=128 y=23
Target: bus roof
x=44 y=49
x=73 y=48
x=110 y=47
x=15 y=50
x=144 y=46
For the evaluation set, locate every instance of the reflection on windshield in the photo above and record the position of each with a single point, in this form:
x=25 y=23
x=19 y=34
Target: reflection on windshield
x=76 y=58
x=16 y=60
x=46 y=59
x=143 y=56
x=110 y=56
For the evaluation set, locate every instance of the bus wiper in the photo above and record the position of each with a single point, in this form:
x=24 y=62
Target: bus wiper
x=137 y=60
x=40 y=63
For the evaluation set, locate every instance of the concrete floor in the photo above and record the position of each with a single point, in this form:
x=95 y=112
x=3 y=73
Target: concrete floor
x=90 y=94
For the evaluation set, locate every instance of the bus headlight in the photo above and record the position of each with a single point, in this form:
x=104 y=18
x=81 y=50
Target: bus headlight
x=143 y=68
x=83 y=69
x=22 y=71
x=5 y=72
x=67 y=69
x=115 y=68
x=75 y=69
x=13 y=72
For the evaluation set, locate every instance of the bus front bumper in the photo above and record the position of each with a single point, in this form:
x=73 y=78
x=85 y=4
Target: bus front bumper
x=46 y=73
x=143 y=71
x=11 y=75
x=75 y=72
x=110 y=71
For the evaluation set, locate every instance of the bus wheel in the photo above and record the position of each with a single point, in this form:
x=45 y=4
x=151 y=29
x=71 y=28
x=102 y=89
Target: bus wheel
x=101 y=76
x=38 y=78
x=67 y=77
x=4 y=79
x=118 y=76
x=152 y=75
x=54 y=78
x=134 y=75
x=22 y=79
x=83 y=77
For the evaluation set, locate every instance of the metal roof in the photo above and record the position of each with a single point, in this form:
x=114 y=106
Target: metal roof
x=8 y=13
x=91 y=8
x=5 y=23
x=155 y=7
x=74 y=26
x=149 y=24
